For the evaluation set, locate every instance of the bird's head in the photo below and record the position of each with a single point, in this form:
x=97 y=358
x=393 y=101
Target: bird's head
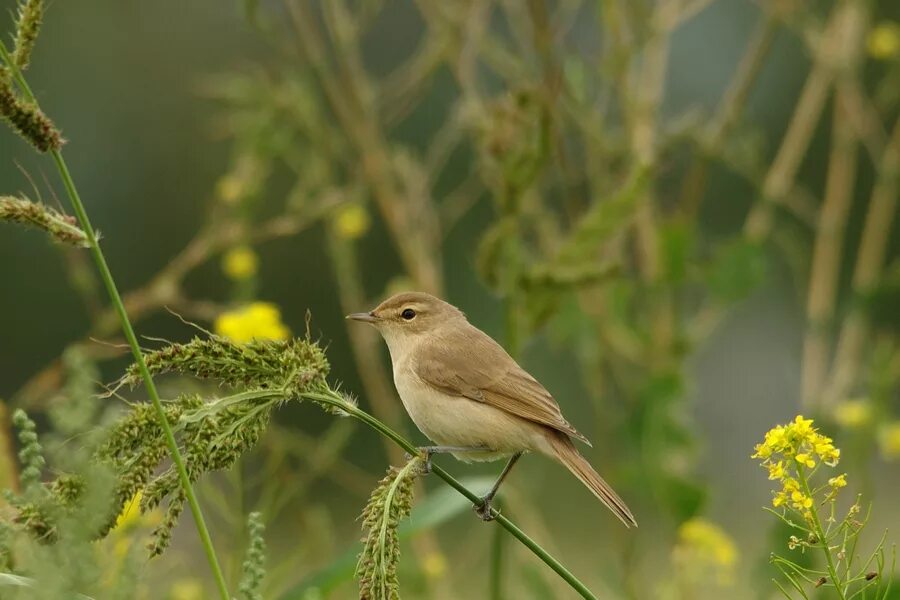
x=410 y=314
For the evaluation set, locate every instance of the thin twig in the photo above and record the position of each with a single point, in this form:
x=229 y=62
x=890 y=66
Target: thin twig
x=730 y=108
x=827 y=252
x=869 y=264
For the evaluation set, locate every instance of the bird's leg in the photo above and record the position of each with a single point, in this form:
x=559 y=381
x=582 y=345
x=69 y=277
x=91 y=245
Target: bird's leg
x=484 y=509
x=428 y=451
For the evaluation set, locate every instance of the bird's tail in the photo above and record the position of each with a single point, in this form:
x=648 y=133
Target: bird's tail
x=565 y=452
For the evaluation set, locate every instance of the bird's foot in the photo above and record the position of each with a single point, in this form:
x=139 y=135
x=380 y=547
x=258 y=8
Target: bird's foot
x=422 y=453
x=427 y=452
x=485 y=510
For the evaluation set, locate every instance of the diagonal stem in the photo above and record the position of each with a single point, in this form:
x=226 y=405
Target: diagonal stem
x=334 y=399
x=128 y=330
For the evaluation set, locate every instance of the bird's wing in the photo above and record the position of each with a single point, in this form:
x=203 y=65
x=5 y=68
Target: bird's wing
x=467 y=362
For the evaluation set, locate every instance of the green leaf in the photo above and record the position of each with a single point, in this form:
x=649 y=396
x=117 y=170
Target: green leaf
x=685 y=497
x=662 y=388
x=676 y=249
x=738 y=268
x=575 y=73
x=537 y=585
x=17 y=581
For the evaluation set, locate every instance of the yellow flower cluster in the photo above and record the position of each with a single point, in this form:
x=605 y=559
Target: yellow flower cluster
x=186 y=589
x=884 y=41
x=434 y=565
x=257 y=320
x=853 y=413
x=702 y=543
x=786 y=451
x=352 y=221
x=240 y=263
x=889 y=441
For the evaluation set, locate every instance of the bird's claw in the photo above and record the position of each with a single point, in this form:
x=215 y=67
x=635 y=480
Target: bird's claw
x=485 y=510
x=427 y=453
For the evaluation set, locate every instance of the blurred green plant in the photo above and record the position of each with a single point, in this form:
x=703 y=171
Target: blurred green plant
x=390 y=503
x=254 y=563
x=590 y=231
x=26 y=118
x=212 y=434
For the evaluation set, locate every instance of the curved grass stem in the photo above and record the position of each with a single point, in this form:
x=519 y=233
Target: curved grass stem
x=335 y=400
x=128 y=330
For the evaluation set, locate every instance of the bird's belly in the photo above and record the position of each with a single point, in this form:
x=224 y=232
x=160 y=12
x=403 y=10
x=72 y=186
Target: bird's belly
x=458 y=421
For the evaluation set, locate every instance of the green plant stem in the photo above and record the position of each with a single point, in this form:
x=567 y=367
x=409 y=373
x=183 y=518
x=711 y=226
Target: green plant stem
x=495 y=574
x=335 y=400
x=820 y=534
x=128 y=330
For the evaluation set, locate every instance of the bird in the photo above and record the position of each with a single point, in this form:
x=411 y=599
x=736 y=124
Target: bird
x=472 y=399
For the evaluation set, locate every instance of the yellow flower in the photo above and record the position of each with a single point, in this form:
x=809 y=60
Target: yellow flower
x=702 y=542
x=802 y=427
x=825 y=449
x=763 y=451
x=776 y=470
x=240 y=263
x=258 y=320
x=884 y=41
x=804 y=459
x=351 y=221
x=799 y=440
x=889 y=441
x=434 y=565
x=800 y=501
x=243 y=180
x=131 y=513
x=853 y=413
x=839 y=481
x=130 y=520
x=132 y=516
x=186 y=589
x=230 y=188
x=800 y=443
x=791 y=485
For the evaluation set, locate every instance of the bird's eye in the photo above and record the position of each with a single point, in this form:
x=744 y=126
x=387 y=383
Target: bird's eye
x=408 y=314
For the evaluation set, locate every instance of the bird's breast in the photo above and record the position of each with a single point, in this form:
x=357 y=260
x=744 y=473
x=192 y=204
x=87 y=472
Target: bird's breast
x=450 y=420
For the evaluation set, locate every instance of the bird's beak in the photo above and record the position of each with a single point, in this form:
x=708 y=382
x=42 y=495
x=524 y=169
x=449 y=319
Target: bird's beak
x=365 y=317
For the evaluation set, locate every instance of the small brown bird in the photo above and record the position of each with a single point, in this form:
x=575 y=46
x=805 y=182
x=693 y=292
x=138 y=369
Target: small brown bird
x=470 y=397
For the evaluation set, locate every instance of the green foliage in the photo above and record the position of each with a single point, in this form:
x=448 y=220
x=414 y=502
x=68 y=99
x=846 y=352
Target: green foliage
x=212 y=434
x=28 y=120
x=254 y=563
x=48 y=549
x=591 y=237
x=737 y=269
x=292 y=366
x=28 y=25
x=440 y=506
x=60 y=227
x=31 y=454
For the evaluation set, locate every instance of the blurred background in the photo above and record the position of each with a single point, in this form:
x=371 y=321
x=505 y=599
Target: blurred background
x=679 y=216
